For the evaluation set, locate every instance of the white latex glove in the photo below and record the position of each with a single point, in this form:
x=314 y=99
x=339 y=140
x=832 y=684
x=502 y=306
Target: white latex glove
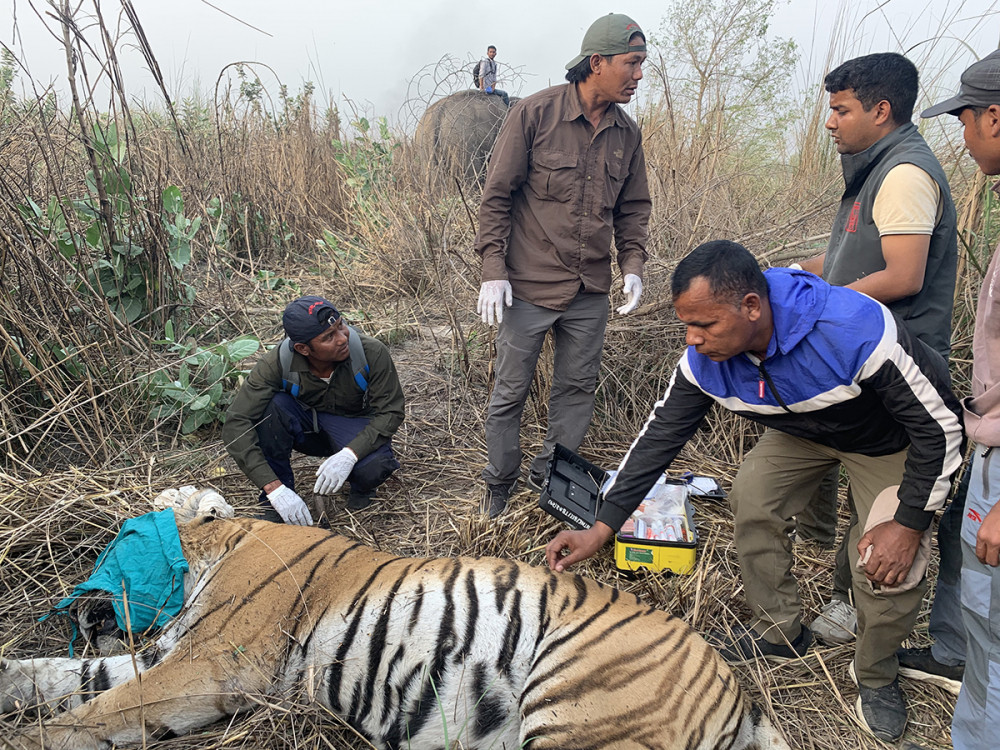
x=633 y=290
x=333 y=472
x=493 y=297
x=290 y=506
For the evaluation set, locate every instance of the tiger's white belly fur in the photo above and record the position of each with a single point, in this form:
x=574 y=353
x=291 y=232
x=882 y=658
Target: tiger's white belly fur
x=413 y=653
x=403 y=653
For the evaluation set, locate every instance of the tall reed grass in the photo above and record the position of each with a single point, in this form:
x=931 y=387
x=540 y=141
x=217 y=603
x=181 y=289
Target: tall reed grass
x=92 y=268
x=137 y=239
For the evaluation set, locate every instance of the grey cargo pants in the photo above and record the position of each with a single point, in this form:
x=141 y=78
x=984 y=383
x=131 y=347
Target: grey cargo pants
x=579 y=337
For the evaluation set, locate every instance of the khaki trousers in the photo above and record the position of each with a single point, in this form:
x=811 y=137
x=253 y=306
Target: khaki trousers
x=772 y=486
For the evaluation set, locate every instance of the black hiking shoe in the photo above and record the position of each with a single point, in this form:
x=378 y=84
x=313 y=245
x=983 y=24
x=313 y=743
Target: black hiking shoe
x=495 y=499
x=359 y=499
x=882 y=710
x=920 y=664
x=536 y=481
x=745 y=645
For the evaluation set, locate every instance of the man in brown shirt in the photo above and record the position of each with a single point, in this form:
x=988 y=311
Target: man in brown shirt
x=567 y=171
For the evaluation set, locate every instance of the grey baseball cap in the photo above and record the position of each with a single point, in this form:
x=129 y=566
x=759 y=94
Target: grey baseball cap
x=609 y=35
x=980 y=88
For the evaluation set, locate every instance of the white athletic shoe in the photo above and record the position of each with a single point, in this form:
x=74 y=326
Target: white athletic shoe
x=836 y=624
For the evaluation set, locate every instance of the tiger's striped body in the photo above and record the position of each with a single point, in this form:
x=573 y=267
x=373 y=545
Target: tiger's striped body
x=414 y=653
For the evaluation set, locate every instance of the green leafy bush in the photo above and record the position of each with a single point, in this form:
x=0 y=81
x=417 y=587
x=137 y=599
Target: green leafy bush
x=106 y=250
x=202 y=384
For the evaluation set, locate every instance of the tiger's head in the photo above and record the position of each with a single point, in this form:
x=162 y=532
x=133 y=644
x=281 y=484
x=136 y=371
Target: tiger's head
x=94 y=613
x=94 y=616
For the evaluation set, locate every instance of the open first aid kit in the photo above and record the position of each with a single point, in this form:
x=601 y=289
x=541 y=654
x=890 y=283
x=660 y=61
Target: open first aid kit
x=659 y=536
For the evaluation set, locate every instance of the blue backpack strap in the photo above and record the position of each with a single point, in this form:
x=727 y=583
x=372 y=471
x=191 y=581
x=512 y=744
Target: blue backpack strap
x=359 y=362
x=289 y=379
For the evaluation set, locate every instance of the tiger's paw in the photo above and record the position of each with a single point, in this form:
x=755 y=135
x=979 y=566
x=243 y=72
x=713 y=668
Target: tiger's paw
x=17 y=689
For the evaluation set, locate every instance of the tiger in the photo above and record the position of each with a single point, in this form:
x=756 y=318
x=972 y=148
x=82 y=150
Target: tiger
x=412 y=653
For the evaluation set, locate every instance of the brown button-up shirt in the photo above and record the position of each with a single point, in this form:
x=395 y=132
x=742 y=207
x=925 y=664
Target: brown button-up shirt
x=556 y=189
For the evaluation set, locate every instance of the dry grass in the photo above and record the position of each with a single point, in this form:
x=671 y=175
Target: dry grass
x=54 y=525
x=78 y=454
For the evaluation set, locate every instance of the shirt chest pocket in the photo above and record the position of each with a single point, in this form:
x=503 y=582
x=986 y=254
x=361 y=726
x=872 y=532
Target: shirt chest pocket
x=553 y=175
x=617 y=172
x=340 y=397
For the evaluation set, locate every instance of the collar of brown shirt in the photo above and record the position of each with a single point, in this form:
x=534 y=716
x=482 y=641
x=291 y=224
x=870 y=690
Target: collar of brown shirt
x=557 y=190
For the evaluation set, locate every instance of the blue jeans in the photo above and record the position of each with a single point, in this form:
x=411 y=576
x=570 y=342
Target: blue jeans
x=977 y=711
x=945 y=624
x=502 y=94
x=287 y=426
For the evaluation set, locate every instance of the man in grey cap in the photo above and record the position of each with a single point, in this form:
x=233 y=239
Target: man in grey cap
x=977 y=712
x=567 y=172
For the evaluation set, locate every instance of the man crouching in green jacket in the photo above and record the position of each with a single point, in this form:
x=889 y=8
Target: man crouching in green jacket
x=325 y=390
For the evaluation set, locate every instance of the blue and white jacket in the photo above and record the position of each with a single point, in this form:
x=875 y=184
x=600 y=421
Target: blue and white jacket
x=840 y=370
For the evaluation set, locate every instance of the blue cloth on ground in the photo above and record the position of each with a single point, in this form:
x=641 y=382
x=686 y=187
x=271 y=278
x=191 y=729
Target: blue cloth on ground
x=145 y=562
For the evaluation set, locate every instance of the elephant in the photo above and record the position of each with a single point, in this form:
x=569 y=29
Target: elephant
x=456 y=133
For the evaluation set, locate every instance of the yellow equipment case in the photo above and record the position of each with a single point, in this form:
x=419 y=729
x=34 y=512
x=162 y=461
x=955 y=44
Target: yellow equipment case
x=660 y=535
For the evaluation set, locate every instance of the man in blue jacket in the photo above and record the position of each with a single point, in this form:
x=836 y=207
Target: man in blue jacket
x=839 y=379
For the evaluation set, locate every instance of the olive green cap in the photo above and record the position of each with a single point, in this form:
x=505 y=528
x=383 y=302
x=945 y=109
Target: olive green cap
x=608 y=35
